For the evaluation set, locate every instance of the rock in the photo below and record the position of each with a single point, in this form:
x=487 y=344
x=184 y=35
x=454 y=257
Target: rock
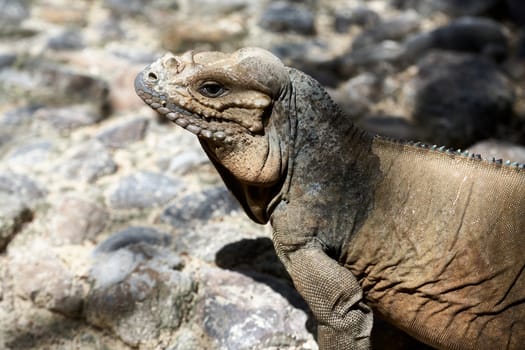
x=133 y=235
x=138 y=295
x=12 y=13
x=75 y=220
x=143 y=190
x=13 y=214
x=19 y=115
x=43 y=278
x=21 y=187
x=359 y=16
x=123 y=133
x=357 y=95
x=87 y=162
x=186 y=161
x=467 y=34
x=371 y=58
x=32 y=80
x=450 y=7
x=314 y=57
x=478 y=99
x=126 y=8
x=69 y=39
x=30 y=154
x=7 y=59
x=238 y=312
x=210 y=33
x=199 y=207
x=395 y=28
x=70 y=117
x=281 y=16
x=389 y=126
x=499 y=150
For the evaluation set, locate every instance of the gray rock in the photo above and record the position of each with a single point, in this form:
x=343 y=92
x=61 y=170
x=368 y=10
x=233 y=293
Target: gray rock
x=124 y=133
x=69 y=117
x=450 y=7
x=137 y=294
x=389 y=126
x=186 y=161
x=466 y=34
x=478 y=99
x=394 y=28
x=357 y=95
x=34 y=152
x=314 y=57
x=199 y=207
x=143 y=190
x=240 y=313
x=13 y=214
x=20 y=186
x=18 y=116
x=38 y=81
x=75 y=220
x=87 y=162
x=69 y=39
x=281 y=16
x=360 y=16
x=138 y=7
x=7 y=59
x=43 y=278
x=12 y=13
x=133 y=235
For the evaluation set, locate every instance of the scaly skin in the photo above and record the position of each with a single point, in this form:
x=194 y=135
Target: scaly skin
x=429 y=239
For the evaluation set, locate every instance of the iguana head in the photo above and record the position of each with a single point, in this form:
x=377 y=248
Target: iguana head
x=229 y=101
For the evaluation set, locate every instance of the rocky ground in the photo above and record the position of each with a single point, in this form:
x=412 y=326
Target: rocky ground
x=115 y=230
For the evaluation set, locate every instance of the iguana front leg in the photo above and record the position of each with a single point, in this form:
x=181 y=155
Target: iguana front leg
x=331 y=291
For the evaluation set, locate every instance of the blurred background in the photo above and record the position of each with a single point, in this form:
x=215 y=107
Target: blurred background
x=115 y=231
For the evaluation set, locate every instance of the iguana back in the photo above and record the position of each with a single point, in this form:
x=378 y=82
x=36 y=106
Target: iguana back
x=442 y=254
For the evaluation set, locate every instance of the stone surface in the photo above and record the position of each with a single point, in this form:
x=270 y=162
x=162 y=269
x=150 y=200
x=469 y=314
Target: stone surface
x=124 y=133
x=239 y=312
x=138 y=295
x=20 y=186
x=87 y=162
x=281 y=16
x=478 y=99
x=74 y=220
x=43 y=278
x=13 y=214
x=499 y=150
x=143 y=190
x=200 y=207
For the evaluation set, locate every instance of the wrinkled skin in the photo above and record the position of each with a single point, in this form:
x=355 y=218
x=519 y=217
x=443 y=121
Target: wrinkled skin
x=431 y=241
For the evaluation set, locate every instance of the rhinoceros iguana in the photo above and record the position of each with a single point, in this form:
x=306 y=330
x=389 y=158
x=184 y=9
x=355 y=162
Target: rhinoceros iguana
x=432 y=240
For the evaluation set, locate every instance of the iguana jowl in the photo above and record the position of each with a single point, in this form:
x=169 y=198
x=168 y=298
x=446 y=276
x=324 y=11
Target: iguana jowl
x=431 y=240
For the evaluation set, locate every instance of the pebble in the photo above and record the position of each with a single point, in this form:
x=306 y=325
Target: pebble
x=87 y=162
x=130 y=236
x=240 y=312
x=74 y=220
x=198 y=207
x=345 y=18
x=137 y=295
x=13 y=214
x=123 y=134
x=466 y=34
x=143 y=189
x=21 y=187
x=281 y=16
x=479 y=98
x=43 y=278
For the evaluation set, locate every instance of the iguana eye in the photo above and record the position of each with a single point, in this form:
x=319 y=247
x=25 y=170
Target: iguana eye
x=212 y=89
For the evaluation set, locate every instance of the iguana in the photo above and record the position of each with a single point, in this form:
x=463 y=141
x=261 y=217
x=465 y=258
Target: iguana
x=432 y=240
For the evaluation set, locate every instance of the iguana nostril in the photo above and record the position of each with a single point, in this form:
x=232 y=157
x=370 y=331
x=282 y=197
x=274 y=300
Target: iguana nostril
x=152 y=77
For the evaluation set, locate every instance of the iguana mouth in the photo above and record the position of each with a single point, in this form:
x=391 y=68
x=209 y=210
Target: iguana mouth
x=206 y=127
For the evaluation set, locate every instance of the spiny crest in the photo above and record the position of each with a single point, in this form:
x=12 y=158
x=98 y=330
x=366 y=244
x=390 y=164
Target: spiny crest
x=459 y=152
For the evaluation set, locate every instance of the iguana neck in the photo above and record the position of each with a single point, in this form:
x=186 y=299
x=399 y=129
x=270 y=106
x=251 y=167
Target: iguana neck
x=329 y=158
